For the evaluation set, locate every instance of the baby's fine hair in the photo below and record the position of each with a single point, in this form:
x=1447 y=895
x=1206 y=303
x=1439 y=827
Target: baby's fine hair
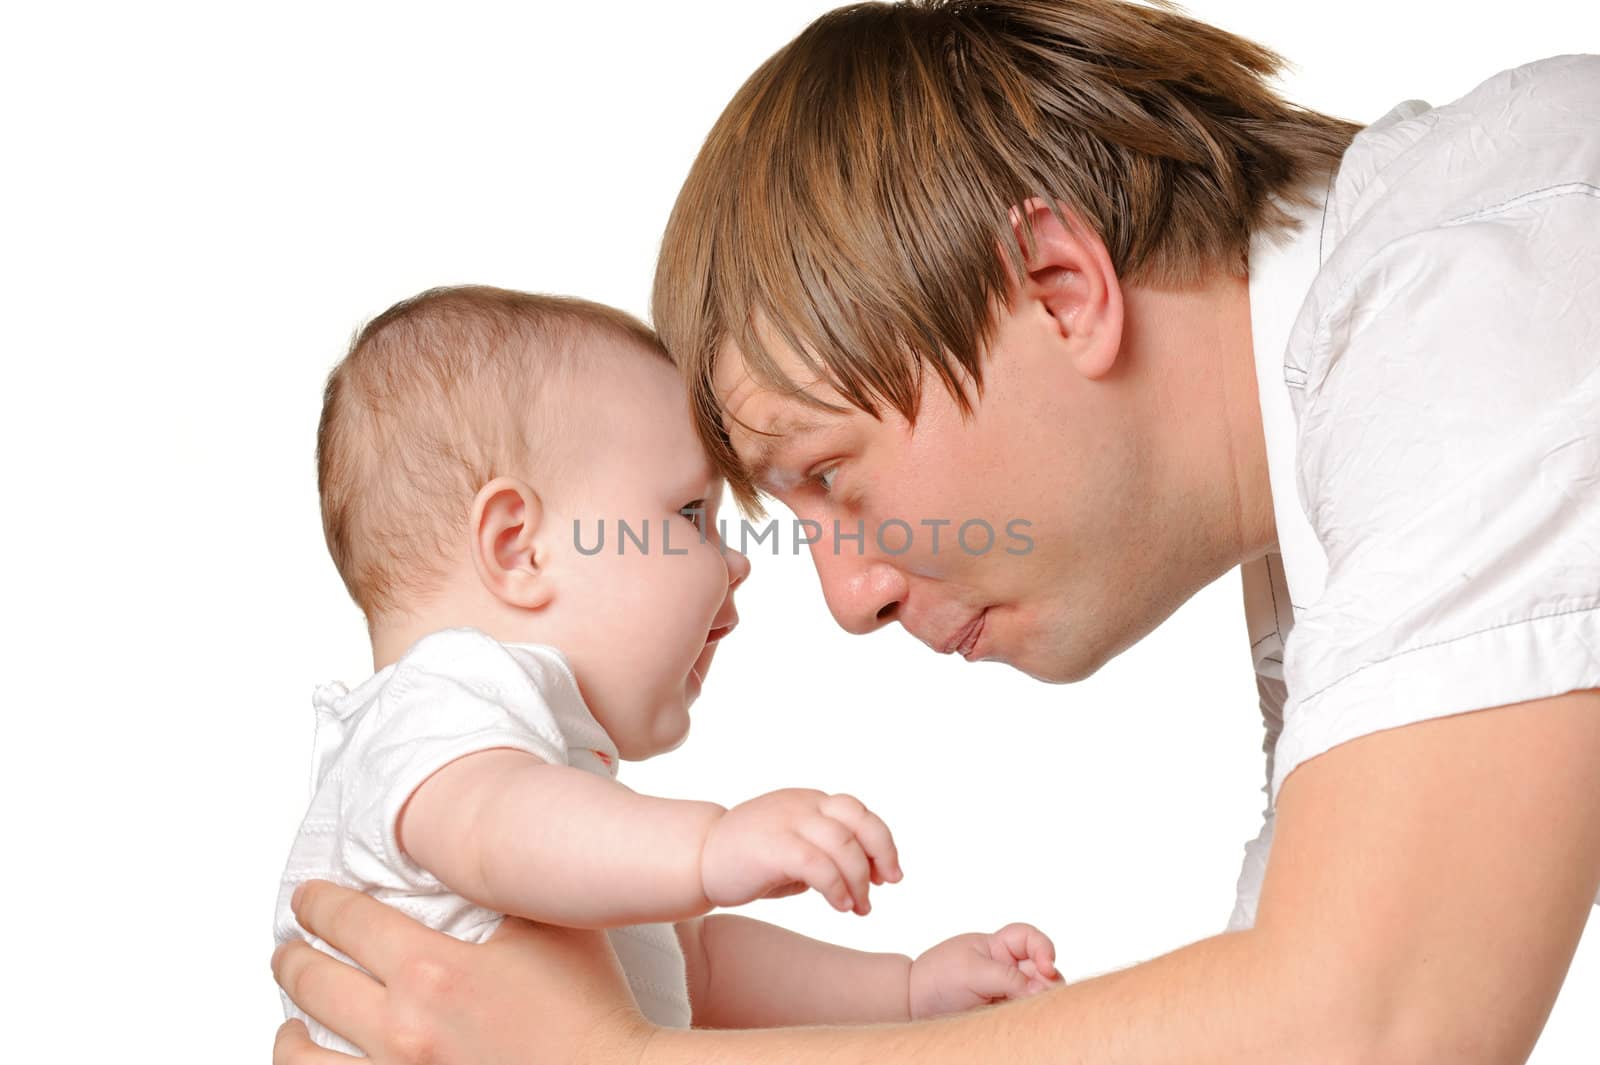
x=437 y=396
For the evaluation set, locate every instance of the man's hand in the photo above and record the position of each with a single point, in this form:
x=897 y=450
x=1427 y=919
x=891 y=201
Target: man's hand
x=783 y=842
x=975 y=970
x=531 y=993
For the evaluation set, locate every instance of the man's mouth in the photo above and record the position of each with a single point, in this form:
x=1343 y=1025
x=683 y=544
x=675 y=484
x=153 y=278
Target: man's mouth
x=965 y=640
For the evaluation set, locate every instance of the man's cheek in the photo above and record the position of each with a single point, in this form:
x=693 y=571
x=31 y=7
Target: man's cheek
x=807 y=534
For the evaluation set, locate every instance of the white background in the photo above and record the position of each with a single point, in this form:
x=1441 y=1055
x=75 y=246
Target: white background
x=201 y=203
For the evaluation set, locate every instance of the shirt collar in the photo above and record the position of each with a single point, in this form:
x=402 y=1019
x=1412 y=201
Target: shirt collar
x=1282 y=267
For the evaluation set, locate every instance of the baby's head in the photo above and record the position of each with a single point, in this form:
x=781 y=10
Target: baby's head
x=475 y=443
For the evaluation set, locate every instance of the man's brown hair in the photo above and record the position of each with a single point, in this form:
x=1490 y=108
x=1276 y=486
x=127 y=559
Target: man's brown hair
x=851 y=200
x=438 y=395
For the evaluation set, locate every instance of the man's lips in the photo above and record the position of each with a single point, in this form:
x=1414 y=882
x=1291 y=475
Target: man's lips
x=965 y=638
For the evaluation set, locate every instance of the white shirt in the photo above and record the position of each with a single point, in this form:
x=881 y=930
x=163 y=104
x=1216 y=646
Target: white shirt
x=454 y=692
x=1428 y=355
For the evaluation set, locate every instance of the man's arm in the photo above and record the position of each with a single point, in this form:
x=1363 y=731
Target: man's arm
x=557 y=844
x=1425 y=895
x=1453 y=863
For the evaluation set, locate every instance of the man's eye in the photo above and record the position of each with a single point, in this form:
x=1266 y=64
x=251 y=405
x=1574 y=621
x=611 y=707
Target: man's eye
x=695 y=512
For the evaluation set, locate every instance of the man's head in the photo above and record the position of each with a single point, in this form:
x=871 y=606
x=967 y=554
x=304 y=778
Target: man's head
x=993 y=255
x=476 y=443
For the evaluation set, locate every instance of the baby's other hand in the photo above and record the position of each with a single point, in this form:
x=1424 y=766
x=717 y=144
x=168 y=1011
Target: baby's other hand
x=977 y=969
x=787 y=841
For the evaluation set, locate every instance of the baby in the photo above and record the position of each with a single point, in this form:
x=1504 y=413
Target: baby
x=473 y=445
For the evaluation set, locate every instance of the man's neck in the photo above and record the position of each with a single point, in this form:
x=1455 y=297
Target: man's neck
x=1206 y=417
x=1255 y=524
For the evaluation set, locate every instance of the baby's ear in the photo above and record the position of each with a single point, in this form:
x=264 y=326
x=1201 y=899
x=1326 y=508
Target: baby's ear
x=507 y=547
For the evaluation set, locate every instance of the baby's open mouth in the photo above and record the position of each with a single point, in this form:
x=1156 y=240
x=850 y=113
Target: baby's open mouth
x=719 y=632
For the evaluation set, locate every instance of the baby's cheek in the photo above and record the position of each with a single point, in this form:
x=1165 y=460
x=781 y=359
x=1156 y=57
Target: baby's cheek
x=699 y=581
x=718 y=573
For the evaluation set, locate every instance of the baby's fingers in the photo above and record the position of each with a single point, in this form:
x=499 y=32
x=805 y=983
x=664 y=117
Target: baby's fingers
x=841 y=845
x=816 y=867
x=994 y=979
x=1023 y=942
x=870 y=830
x=1037 y=982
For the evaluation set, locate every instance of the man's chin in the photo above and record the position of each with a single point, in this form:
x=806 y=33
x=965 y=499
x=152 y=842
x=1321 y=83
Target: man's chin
x=1054 y=668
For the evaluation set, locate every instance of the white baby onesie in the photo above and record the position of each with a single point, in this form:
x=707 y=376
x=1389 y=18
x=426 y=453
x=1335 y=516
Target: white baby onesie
x=454 y=692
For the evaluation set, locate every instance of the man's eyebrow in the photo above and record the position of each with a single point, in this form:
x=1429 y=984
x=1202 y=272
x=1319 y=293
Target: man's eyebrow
x=774 y=439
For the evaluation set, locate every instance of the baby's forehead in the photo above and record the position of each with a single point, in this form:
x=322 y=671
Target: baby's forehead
x=613 y=383
x=635 y=404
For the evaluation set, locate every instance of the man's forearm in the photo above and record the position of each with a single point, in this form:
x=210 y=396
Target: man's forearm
x=761 y=976
x=1227 y=1000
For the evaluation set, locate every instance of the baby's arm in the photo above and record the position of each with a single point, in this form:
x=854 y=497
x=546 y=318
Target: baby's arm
x=557 y=844
x=749 y=974
x=745 y=973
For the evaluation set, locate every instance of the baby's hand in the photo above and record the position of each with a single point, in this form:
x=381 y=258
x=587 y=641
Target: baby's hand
x=977 y=969
x=783 y=842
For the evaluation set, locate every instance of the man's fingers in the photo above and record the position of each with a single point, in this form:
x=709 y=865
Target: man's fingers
x=293 y=1046
x=869 y=828
x=328 y=989
x=377 y=936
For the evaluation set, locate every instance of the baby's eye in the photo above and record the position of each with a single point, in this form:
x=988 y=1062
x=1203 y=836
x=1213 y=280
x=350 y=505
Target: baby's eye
x=696 y=513
x=824 y=478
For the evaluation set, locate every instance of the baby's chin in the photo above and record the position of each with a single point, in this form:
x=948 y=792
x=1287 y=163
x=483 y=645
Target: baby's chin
x=683 y=737
x=669 y=731
x=674 y=721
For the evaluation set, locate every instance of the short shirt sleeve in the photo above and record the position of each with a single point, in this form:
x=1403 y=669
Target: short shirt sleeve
x=455 y=693
x=1449 y=462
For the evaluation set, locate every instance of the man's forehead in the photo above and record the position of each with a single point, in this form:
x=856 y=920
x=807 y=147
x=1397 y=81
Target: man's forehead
x=754 y=409
x=761 y=422
x=763 y=417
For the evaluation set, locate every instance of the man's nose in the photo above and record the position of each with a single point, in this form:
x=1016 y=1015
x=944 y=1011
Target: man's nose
x=863 y=593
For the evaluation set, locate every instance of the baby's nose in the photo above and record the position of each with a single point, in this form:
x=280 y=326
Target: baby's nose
x=738 y=567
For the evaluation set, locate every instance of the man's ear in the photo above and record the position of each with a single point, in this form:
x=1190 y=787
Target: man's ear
x=1069 y=274
x=509 y=548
